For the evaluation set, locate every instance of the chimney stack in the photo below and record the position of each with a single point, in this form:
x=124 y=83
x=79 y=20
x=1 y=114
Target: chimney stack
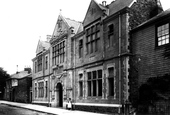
x=104 y=3
x=48 y=38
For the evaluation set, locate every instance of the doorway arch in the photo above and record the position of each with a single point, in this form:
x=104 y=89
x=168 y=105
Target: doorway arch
x=59 y=97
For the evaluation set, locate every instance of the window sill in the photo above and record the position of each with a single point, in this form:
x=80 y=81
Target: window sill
x=162 y=46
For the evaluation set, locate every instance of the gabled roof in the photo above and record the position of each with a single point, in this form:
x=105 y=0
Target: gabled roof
x=20 y=75
x=75 y=24
x=157 y=18
x=118 y=5
x=97 y=10
x=42 y=45
x=66 y=25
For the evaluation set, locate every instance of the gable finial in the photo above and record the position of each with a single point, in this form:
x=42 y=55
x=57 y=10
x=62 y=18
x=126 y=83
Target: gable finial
x=60 y=11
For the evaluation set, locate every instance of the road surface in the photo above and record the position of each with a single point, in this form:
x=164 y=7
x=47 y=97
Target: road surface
x=9 y=110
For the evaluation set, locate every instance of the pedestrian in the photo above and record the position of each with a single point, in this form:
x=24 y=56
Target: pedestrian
x=69 y=104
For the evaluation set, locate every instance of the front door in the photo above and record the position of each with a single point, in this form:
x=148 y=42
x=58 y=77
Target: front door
x=59 y=97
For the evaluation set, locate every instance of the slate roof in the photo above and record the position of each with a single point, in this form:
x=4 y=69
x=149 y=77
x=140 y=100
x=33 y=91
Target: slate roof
x=20 y=75
x=118 y=5
x=45 y=44
x=156 y=18
x=72 y=23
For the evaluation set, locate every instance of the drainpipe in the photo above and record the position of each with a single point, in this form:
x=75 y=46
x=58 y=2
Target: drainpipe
x=49 y=82
x=120 y=61
x=74 y=75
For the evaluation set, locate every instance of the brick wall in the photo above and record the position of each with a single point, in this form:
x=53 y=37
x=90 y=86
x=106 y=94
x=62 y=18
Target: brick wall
x=150 y=59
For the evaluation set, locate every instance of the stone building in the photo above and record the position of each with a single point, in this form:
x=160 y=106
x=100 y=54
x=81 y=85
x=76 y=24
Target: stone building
x=61 y=85
x=89 y=61
x=18 y=86
x=101 y=55
x=41 y=73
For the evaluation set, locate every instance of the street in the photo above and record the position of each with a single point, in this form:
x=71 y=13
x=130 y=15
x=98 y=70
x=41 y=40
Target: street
x=9 y=110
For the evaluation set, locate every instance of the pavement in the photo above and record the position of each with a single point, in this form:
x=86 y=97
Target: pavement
x=50 y=110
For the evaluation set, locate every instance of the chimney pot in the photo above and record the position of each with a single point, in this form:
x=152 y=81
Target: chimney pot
x=104 y=3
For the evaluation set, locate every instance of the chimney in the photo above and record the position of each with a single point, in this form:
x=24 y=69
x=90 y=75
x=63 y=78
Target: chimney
x=104 y=3
x=48 y=38
x=28 y=69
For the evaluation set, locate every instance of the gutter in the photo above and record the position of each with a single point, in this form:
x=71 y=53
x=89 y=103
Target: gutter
x=119 y=60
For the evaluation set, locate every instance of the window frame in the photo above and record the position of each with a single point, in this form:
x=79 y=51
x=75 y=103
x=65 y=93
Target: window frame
x=110 y=35
x=80 y=48
x=92 y=38
x=58 y=53
x=111 y=77
x=94 y=83
x=156 y=33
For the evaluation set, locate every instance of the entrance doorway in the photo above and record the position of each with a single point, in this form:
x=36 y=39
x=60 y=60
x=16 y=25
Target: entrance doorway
x=59 y=98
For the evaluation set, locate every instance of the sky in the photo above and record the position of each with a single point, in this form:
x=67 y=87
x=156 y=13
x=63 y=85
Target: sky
x=24 y=22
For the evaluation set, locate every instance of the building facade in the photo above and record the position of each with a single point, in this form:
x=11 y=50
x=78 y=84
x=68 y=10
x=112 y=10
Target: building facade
x=18 y=87
x=149 y=42
x=61 y=86
x=89 y=61
x=41 y=73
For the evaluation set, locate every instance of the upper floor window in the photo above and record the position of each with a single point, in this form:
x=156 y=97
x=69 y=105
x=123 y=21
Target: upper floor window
x=58 y=53
x=163 y=34
x=92 y=38
x=94 y=83
x=110 y=35
x=35 y=66
x=80 y=48
x=39 y=63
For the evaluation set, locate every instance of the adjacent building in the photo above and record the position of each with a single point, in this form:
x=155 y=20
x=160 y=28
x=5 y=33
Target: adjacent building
x=148 y=43
x=18 y=87
x=41 y=73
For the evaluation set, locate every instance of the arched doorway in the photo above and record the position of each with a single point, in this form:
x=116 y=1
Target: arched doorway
x=59 y=97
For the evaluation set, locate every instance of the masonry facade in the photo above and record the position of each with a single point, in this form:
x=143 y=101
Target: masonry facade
x=89 y=61
x=41 y=73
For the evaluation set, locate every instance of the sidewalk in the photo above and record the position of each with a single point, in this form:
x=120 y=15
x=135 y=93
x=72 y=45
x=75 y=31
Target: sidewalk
x=51 y=110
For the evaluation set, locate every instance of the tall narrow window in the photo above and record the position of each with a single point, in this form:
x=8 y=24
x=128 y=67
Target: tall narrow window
x=110 y=34
x=94 y=83
x=35 y=90
x=80 y=85
x=35 y=66
x=46 y=62
x=99 y=82
x=39 y=63
x=46 y=89
x=163 y=34
x=111 y=81
x=80 y=48
x=89 y=83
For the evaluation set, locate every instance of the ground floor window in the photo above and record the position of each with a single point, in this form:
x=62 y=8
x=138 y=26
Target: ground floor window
x=41 y=89
x=111 y=81
x=94 y=83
